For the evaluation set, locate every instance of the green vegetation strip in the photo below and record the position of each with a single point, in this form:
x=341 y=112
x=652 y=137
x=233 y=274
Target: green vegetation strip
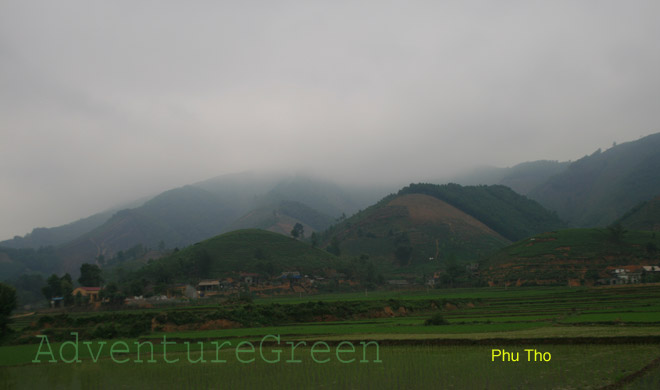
x=446 y=367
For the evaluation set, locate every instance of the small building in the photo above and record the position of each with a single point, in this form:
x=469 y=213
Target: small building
x=629 y=274
x=398 y=282
x=250 y=278
x=184 y=290
x=90 y=293
x=208 y=285
x=290 y=275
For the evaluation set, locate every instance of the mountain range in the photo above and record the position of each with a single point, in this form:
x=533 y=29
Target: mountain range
x=593 y=191
x=188 y=214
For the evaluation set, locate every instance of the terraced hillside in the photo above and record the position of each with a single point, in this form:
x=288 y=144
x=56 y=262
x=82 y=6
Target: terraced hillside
x=577 y=256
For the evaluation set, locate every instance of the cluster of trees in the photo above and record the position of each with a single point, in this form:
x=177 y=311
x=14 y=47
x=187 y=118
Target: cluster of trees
x=90 y=275
x=62 y=286
x=7 y=305
x=364 y=270
x=59 y=287
x=298 y=231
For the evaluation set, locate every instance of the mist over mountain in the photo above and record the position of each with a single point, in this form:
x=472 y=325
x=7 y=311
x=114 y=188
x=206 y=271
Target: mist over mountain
x=58 y=235
x=597 y=189
x=590 y=192
x=188 y=214
x=522 y=178
x=281 y=217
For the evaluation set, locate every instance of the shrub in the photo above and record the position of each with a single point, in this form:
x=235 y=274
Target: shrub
x=105 y=331
x=436 y=319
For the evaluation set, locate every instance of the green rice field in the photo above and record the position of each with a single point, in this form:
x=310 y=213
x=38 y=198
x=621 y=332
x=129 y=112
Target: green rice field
x=594 y=338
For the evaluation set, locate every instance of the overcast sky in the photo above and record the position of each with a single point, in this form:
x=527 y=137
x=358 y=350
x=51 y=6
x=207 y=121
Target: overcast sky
x=102 y=102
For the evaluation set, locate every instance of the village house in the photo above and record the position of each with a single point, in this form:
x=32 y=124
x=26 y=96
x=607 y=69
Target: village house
x=398 y=282
x=183 y=290
x=90 y=294
x=628 y=274
x=250 y=278
x=650 y=274
x=208 y=286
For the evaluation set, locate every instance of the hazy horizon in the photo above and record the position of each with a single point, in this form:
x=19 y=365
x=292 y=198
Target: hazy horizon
x=105 y=103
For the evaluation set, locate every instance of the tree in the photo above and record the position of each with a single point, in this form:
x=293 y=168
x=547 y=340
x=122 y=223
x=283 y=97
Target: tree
x=90 y=275
x=136 y=287
x=79 y=300
x=112 y=295
x=334 y=246
x=591 y=275
x=315 y=240
x=67 y=289
x=298 y=230
x=7 y=305
x=453 y=271
x=436 y=319
x=616 y=233
x=59 y=287
x=53 y=287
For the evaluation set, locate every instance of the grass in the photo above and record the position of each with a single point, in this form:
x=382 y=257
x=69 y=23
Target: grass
x=407 y=367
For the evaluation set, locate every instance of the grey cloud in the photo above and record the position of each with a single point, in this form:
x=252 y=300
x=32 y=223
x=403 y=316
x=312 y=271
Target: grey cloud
x=104 y=102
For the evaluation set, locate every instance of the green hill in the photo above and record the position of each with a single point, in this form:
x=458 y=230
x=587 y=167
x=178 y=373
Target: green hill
x=598 y=189
x=582 y=254
x=413 y=230
x=644 y=216
x=508 y=213
x=249 y=250
x=439 y=222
